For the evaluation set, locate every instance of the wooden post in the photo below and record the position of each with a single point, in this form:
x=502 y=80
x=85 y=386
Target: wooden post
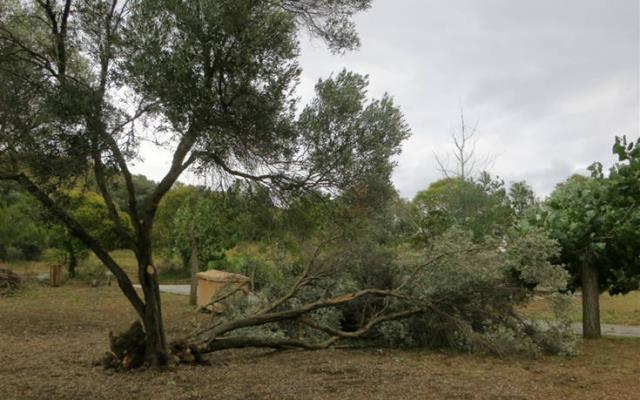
x=55 y=275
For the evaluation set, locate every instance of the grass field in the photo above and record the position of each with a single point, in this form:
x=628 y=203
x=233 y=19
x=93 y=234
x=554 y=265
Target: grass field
x=50 y=338
x=169 y=270
x=623 y=310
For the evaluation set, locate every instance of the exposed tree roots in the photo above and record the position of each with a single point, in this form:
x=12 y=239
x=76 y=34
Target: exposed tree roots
x=128 y=350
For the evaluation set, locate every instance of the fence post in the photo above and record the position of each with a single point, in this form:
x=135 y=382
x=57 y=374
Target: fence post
x=55 y=275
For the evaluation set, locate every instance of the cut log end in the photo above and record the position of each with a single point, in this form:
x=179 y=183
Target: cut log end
x=186 y=353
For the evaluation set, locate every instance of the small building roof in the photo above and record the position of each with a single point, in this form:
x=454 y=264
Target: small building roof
x=215 y=275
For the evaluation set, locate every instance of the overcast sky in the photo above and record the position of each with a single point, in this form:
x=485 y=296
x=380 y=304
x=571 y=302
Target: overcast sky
x=549 y=83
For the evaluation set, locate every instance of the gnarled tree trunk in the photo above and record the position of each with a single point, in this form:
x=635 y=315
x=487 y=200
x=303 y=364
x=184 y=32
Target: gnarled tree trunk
x=156 y=346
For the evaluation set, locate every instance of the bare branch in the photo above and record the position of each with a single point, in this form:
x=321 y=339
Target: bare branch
x=261 y=319
x=240 y=342
x=370 y=324
x=178 y=165
x=101 y=181
x=303 y=279
x=464 y=153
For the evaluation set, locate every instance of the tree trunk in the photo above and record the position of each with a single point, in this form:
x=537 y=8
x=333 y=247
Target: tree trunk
x=156 y=346
x=590 y=302
x=195 y=268
x=72 y=261
x=186 y=261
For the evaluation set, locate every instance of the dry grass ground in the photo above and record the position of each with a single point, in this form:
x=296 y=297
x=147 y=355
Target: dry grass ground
x=50 y=337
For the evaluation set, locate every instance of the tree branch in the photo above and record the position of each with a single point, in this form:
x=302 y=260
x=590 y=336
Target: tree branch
x=178 y=165
x=365 y=328
x=240 y=342
x=303 y=279
x=260 y=319
x=98 y=168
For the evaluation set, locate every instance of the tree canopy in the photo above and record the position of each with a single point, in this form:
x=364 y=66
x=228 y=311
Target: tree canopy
x=84 y=83
x=480 y=206
x=22 y=233
x=597 y=222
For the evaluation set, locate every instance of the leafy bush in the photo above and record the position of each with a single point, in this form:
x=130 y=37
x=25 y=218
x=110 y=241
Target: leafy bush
x=476 y=291
x=12 y=253
x=54 y=256
x=93 y=271
x=171 y=269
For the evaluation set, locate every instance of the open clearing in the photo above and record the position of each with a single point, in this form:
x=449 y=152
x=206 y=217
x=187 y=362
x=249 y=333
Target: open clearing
x=50 y=337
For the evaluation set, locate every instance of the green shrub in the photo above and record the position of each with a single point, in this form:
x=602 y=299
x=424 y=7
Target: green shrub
x=477 y=297
x=54 y=256
x=262 y=272
x=170 y=269
x=93 y=271
x=13 y=254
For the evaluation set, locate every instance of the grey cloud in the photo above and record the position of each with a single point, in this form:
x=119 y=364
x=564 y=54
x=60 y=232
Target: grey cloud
x=550 y=82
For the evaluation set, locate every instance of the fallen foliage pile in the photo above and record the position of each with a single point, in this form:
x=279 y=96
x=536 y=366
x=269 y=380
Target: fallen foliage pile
x=9 y=282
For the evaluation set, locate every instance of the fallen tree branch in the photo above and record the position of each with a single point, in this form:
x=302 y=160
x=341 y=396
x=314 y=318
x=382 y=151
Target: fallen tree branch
x=364 y=329
x=212 y=304
x=398 y=304
x=241 y=342
x=303 y=279
x=261 y=319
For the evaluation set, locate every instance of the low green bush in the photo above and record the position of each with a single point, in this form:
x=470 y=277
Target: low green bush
x=262 y=272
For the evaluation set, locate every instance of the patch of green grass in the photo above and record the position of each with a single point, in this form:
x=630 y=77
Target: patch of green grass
x=126 y=259
x=90 y=268
x=623 y=310
x=168 y=270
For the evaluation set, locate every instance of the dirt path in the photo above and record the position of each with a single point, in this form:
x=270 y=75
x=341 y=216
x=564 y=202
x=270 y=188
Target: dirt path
x=173 y=289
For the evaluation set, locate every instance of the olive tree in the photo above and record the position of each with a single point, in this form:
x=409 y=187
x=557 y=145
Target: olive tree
x=83 y=83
